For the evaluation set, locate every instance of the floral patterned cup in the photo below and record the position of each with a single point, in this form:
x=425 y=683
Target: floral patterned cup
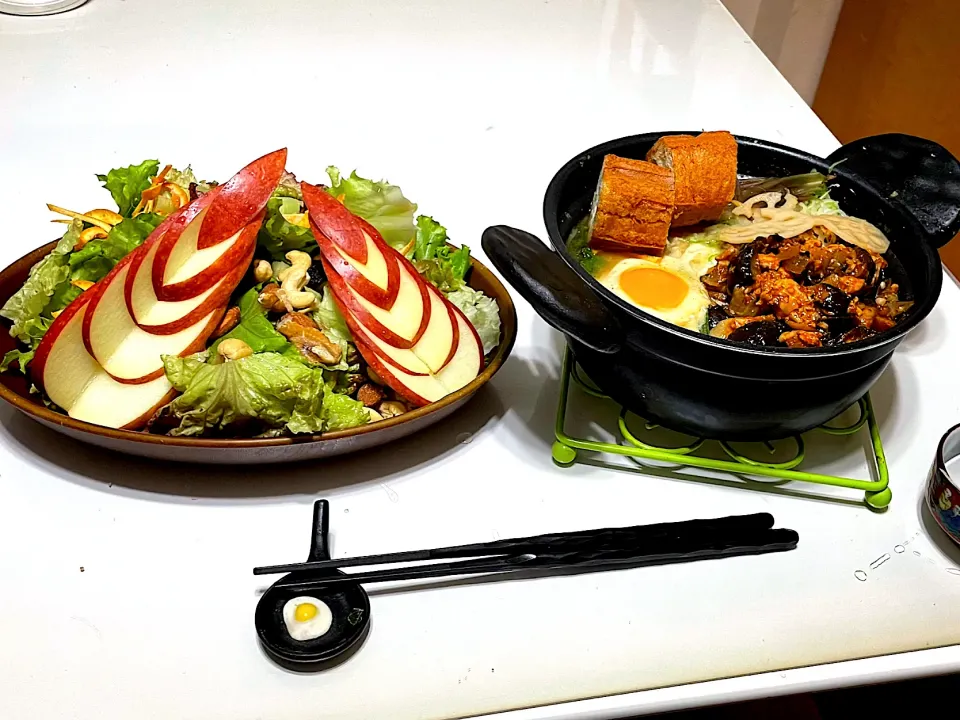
x=943 y=495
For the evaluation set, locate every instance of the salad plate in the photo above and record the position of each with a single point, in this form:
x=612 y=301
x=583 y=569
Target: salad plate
x=258 y=320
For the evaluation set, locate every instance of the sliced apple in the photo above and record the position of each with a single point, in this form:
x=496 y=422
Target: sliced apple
x=240 y=198
x=182 y=271
x=335 y=222
x=378 y=280
x=421 y=390
x=76 y=382
x=121 y=405
x=125 y=351
x=404 y=323
x=164 y=318
x=431 y=353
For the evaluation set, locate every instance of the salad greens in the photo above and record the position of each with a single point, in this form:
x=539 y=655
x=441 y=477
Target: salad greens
x=803 y=187
x=262 y=392
x=126 y=185
x=327 y=315
x=255 y=329
x=51 y=285
x=482 y=312
x=379 y=203
x=278 y=235
x=444 y=266
x=28 y=307
x=97 y=257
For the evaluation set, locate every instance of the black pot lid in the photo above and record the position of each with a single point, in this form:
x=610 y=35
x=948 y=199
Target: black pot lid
x=919 y=173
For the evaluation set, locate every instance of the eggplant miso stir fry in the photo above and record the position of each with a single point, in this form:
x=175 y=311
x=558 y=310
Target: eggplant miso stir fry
x=770 y=262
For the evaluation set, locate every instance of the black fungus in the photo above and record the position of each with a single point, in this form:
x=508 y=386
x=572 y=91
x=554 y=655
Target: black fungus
x=834 y=302
x=858 y=333
x=759 y=334
x=742 y=270
x=715 y=314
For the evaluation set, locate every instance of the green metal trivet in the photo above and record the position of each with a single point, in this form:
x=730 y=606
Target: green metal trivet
x=876 y=494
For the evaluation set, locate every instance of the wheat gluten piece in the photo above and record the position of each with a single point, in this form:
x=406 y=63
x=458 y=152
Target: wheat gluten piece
x=704 y=173
x=632 y=207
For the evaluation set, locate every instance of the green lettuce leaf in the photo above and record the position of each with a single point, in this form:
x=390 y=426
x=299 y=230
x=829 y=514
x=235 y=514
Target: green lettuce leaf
x=261 y=392
x=822 y=205
x=379 y=203
x=277 y=236
x=804 y=187
x=20 y=358
x=444 y=266
x=185 y=177
x=97 y=257
x=482 y=312
x=327 y=315
x=29 y=308
x=126 y=185
x=255 y=329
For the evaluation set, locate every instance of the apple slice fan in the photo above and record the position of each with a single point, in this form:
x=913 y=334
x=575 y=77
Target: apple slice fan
x=101 y=358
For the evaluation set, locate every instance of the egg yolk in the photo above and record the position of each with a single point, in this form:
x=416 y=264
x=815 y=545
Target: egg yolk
x=304 y=612
x=653 y=287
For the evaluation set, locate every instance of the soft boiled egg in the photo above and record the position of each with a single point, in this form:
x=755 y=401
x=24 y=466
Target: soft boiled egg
x=306 y=618
x=667 y=287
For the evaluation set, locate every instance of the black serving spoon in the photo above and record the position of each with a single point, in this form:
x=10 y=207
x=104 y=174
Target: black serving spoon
x=348 y=603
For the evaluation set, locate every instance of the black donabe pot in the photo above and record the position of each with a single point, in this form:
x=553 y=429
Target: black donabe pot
x=908 y=187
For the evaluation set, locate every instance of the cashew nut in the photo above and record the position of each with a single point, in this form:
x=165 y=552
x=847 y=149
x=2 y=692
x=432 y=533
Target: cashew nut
x=374 y=415
x=293 y=280
x=262 y=271
x=107 y=216
x=392 y=408
x=91 y=233
x=234 y=349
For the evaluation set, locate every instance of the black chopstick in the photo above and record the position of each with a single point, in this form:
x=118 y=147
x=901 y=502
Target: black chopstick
x=637 y=534
x=662 y=550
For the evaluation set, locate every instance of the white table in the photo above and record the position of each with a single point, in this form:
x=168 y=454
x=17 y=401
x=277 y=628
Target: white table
x=126 y=584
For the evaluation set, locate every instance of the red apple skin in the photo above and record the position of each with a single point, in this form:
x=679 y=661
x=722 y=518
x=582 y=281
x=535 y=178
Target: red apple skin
x=343 y=293
x=167 y=235
x=206 y=278
x=145 y=418
x=453 y=321
x=46 y=344
x=381 y=297
x=473 y=331
x=220 y=297
x=385 y=374
x=241 y=198
x=339 y=225
x=96 y=292
x=199 y=344
x=359 y=333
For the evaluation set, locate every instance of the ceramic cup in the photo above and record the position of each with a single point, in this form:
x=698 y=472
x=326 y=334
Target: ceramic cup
x=943 y=494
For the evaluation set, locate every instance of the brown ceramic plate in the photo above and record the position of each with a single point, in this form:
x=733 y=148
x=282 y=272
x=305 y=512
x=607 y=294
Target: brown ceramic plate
x=14 y=389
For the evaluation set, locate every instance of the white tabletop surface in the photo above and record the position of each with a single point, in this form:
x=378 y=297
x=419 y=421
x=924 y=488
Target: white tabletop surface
x=127 y=590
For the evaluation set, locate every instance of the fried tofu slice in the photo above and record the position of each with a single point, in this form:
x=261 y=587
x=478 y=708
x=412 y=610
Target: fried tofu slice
x=632 y=207
x=704 y=173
